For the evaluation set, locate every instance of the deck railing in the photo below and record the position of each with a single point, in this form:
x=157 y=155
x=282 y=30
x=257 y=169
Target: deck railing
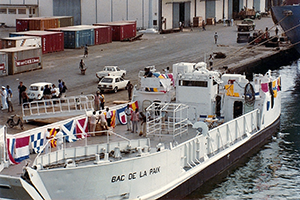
x=220 y=138
x=57 y=107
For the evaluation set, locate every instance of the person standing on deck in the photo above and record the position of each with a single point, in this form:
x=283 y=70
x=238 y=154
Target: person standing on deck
x=135 y=120
x=108 y=117
x=128 y=112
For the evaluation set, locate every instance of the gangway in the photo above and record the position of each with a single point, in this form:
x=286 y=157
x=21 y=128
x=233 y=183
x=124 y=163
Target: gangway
x=57 y=107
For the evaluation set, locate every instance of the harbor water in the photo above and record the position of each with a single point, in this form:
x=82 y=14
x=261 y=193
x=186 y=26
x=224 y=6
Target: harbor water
x=274 y=172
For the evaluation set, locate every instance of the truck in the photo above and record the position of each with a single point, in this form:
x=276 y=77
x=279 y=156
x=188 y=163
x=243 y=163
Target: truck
x=110 y=71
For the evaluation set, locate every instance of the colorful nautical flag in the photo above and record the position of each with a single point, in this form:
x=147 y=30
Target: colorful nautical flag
x=122 y=116
x=52 y=133
x=82 y=127
x=11 y=150
x=69 y=131
x=274 y=88
x=279 y=84
x=37 y=141
x=264 y=87
x=18 y=149
x=22 y=149
x=134 y=105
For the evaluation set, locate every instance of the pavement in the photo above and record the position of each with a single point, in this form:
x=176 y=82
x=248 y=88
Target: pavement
x=161 y=50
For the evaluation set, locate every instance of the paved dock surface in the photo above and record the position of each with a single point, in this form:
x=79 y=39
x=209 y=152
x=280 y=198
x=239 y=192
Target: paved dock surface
x=161 y=50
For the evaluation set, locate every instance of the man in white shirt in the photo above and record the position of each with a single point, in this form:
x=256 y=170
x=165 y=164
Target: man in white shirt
x=128 y=112
x=59 y=140
x=93 y=122
x=102 y=121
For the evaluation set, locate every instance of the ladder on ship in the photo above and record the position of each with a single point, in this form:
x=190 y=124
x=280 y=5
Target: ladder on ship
x=57 y=107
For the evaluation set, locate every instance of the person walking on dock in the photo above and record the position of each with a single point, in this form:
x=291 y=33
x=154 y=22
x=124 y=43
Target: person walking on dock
x=4 y=98
x=129 y=89
x=21 y=88
x=9 y=103
x=86 y=51
x=216 y=37
x=203 y=25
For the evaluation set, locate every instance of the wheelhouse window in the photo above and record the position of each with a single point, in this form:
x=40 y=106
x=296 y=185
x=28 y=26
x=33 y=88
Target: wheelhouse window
x=193 y=83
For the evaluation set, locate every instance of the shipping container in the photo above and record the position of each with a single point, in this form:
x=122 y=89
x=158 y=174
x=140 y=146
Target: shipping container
x=21 y=41
x=3 y=64
x=41 y=23
x=35 y=23
x=51 y=41
x=23 y=59
x=64 y=21
x=76 y=37
x=102 y=34
x=22 y=24
x=121 y=30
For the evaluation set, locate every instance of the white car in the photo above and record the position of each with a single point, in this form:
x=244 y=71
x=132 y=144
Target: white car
x=112 y=83
x=111 y=71
x=35 y=91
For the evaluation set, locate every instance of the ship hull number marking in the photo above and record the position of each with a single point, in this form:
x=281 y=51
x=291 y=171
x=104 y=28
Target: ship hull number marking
x=135 y=175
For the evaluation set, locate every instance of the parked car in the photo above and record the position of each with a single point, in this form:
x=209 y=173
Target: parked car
x=35 y=90
x=111 y=71
x=112 y=83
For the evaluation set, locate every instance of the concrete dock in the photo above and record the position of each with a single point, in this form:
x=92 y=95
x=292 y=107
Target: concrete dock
x=161 y=50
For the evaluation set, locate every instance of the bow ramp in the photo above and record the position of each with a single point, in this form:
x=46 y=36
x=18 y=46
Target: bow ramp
x=57 y=107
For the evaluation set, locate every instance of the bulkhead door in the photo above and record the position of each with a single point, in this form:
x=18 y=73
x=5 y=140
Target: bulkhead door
x=237 y=109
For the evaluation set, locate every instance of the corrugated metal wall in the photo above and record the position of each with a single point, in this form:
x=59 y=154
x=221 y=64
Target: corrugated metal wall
x=210 y=9
x=176 y=18
x=256 y=5
x=68 y=8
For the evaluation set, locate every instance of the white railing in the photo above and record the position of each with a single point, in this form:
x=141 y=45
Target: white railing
x=88 y=150
x=57 y=107
x=202 y=147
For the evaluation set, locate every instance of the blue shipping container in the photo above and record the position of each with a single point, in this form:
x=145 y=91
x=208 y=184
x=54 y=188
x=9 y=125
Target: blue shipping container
x=16 y=34
x=78 y=37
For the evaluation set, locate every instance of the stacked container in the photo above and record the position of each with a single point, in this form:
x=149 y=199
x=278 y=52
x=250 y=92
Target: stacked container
x=51 y=41
x=76 y=36
x=3 y=64
x=121 y=30
x=21 y=41
x=22 y=59
x=102 y=34
x=64 y=21
x=36 y=23
x=22 y=24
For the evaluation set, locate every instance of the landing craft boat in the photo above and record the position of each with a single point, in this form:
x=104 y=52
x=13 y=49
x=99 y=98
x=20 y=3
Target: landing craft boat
x=216 y=121
x=288 y=17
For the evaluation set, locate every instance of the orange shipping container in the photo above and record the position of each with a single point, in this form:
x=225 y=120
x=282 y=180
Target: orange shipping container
x=39 y=23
